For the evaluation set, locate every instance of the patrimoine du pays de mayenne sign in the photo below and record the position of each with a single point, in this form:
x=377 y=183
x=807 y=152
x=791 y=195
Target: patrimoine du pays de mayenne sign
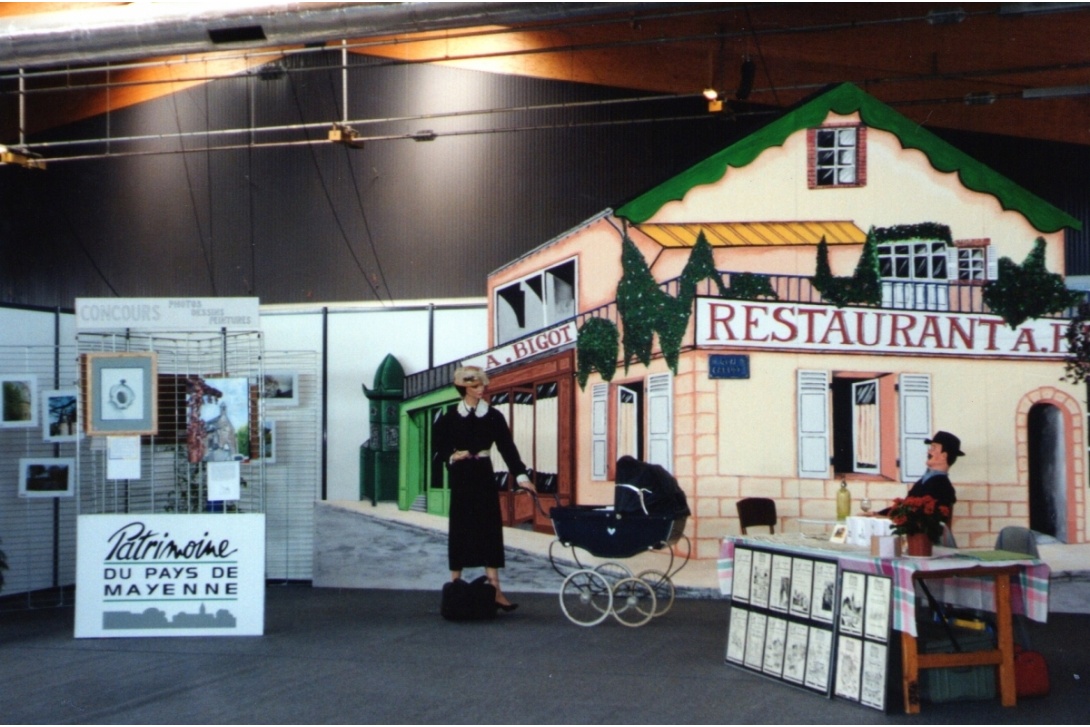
x=797 y=326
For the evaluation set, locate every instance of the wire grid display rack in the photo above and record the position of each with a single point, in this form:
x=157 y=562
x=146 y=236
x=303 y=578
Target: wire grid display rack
x=169 y=482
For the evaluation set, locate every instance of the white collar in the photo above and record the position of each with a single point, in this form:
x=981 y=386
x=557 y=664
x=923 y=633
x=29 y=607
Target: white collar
x=481 y=410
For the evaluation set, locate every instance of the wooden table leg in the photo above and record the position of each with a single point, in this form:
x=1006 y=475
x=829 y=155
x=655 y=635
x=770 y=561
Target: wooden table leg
x=1008 y=694
x=910 y=667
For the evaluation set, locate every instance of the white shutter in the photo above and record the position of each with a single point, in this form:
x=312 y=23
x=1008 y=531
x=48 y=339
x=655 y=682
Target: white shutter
x=813 y=424
x=952 y=263
x=991 y=263
x=660 y=420
x=599 y=433
x=915 y=395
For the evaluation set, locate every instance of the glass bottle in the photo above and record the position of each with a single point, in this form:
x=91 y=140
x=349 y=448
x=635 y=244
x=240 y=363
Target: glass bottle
x=843 y=501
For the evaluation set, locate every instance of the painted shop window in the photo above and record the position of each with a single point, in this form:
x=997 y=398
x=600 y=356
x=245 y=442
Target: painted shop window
x=535 y=302
x=859 y=423
x=640 y=423
x=532 y=412
x=975 y=261
x=914 y=274
x=837 y=156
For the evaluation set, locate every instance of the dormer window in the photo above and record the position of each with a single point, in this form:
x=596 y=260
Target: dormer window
x=837 y=156
x=537 y=301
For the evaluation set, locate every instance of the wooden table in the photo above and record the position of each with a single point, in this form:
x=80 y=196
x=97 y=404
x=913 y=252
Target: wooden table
x=1017 y=586
x=1002 y=656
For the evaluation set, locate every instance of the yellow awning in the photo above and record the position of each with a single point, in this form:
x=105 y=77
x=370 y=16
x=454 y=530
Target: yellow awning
x=742 y=234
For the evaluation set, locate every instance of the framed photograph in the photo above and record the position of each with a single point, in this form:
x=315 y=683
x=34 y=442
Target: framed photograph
x=266 y=450
x=122 y=390
x=280 y=388
x=60 y=415
x=840 y=533
x=20 y=400
x=220 y=420
x=52 y=477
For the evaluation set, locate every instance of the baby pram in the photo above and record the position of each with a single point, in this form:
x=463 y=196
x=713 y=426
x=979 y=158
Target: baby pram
x=649 y=513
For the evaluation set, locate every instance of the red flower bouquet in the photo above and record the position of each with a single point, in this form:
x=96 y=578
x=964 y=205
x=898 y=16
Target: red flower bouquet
x=916 y=515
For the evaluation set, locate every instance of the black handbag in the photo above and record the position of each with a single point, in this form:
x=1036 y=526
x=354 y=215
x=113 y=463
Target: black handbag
x=469 y=601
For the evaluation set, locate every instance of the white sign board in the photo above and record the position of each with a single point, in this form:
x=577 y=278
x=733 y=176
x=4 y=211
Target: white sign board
x=170 y=575
x=167 y=314
x=761 y=324
x=552 y=339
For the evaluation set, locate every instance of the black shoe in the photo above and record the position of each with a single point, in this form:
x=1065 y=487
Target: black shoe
x=508 y=607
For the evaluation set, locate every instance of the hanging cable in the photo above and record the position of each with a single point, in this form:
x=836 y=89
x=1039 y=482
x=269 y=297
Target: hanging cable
x=328 y=196
x=192 y=196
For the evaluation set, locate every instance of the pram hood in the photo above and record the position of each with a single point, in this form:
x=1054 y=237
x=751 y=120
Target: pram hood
x=647 y=488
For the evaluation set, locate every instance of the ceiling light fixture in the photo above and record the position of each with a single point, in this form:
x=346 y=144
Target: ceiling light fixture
x=985 y=98
x=346 y=135
x=711 y=94
x=25 y=159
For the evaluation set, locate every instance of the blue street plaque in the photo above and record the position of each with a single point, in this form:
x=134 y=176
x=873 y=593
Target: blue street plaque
x=728 y=366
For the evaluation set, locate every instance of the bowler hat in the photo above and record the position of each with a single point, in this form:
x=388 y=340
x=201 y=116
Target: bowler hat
x=950 y=443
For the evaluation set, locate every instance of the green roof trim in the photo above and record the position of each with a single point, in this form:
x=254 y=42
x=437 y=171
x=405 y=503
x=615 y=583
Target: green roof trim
x=846 y=99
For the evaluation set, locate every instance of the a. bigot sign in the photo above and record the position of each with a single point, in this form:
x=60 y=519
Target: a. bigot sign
x=798 y=326
x=170 y=575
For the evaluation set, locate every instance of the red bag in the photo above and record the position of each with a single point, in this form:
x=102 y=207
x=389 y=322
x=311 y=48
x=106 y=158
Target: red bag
x=1030 y=673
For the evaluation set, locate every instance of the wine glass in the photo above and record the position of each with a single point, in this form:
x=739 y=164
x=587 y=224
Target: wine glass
x=865 y=505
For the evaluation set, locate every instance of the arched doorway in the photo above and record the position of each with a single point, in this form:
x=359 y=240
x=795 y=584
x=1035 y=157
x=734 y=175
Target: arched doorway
x=1047 y=471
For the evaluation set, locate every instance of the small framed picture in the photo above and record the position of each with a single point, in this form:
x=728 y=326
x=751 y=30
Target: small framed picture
x=122 y=392
x=60 y=415
x=266 y=448
x=19 y=406
x=280 y=388
x=51 y=477
x=840 y=533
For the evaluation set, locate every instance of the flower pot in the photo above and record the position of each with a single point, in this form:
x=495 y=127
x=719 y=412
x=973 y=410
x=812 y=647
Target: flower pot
x=918 y=544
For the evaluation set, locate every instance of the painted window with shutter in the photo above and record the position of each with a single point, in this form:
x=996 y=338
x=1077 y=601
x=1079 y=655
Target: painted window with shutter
x=915 y=400
x=813 y=423
x=599 y=431
x=660 y=420
x=628 y=422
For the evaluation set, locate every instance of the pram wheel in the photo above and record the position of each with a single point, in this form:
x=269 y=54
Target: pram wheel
x=586 y=598
x=633 y=602
x=663 y=587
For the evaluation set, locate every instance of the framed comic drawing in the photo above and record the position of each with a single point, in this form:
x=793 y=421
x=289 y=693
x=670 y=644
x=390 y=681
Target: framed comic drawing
x=121 y=394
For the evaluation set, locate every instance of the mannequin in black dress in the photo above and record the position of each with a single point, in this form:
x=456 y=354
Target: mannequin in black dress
x=463 y=440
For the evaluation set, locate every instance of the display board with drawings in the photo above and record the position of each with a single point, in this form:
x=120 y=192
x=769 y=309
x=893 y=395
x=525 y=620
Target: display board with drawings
x=863 y=639
x=782 y=617
x=798 y=619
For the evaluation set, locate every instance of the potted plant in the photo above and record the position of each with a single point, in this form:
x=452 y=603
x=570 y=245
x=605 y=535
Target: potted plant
x=920 y=520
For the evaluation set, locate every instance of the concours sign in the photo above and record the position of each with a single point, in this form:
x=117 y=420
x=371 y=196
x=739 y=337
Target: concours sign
x=170 y=575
